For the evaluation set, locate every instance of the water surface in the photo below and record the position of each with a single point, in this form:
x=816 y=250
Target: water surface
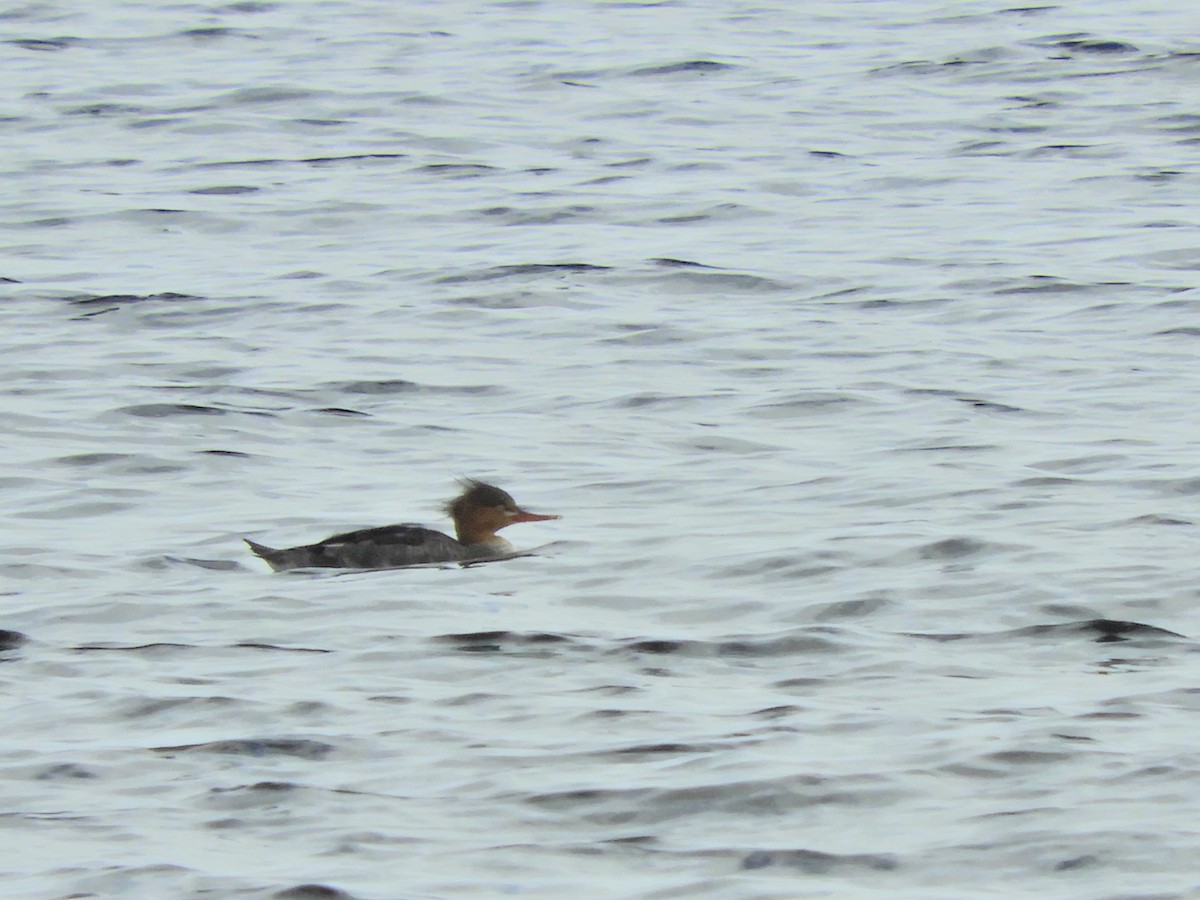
x=855 y=344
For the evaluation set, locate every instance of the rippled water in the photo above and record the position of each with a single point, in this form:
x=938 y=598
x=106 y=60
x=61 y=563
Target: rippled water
x=855 y=343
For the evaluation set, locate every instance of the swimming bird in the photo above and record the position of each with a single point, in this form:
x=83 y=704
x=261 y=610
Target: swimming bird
x=478 y=513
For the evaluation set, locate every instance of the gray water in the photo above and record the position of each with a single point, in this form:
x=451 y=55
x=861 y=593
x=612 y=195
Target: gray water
x=854 y=342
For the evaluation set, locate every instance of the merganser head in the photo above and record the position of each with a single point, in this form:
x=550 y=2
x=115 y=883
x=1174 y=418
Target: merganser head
x=483 y=509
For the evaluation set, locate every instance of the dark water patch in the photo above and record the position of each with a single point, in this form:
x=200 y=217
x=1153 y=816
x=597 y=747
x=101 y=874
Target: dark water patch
x=849 y=609
x=808 y=404
x=1185 y=487
x=1184 y=259
x=1163 y=223
x=610 y=690
x=519 y=300
x=661 y=646
x=119 y=300
x=256 y=747
x=262 y=794
x=266 y=95
x=1101 y=631
x=350 y=157
x=158 y=647
x=990 y=405
x=1150 y=519
x=136 y=648
x=11 y=640
x=1156 y=519
x=175 y=410
x=144 y=709
x=458 y=170
x=647 y=336
x=234 y=454
x=1027 y=757
x=773 y=713
x=98 y=110
x=635 y=163
x=214 y=31
x=521 y=270
x=815 y=639
x=814 y=862
x=668 y=263
x=722 y=282
x=719 y=212
x=65 y=772
x=691 y=66
x=389 y=386
x=475 y=698
x=955 y=548
x=636 y=840
x=170 y=410
x=249 y=6
x=789 y=645
x=306 y=161
x=312 y=892
x=1045 y=284
x=1180 y=123
x=1159 y=176
x=1073 y=151
x=652 y=751
x=882 y=304
x=1086 y=861
x=1110 y=715
x=35 y=572
x=924 y=66
x=389 y=698
x=984 y=148
x=640 y=401
x=755 y=799
x=45 y=44
x=51 y=222
x=1026 y=10
x=260 y=645
x=1047 y=481
x=799 y=566
x=1183 y=330
x=579 y=79
x=225 y=190
x=537 y=216
x=1095 y=46
x=92 y=459
x=1090 y=464
x=725 y=444
x=1043 y=101
x=504 y=641
x=341 y=411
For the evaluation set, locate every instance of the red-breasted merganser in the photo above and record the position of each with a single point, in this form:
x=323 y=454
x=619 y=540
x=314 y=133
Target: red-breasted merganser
x=478 y=513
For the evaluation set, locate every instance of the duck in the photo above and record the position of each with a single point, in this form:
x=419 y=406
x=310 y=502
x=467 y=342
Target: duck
x=478 y=512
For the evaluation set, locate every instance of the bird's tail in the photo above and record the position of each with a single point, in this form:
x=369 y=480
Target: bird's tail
x=276 y=559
